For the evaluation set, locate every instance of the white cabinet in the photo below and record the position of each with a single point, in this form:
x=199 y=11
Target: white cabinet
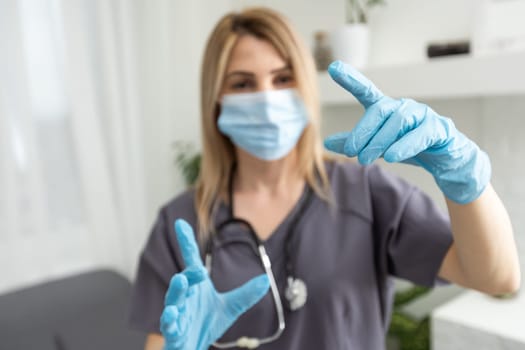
x=477 y=321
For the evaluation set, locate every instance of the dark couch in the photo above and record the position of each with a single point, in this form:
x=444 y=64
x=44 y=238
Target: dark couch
x=86 y=311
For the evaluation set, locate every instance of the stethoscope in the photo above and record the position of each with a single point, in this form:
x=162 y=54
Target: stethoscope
x=295 y=293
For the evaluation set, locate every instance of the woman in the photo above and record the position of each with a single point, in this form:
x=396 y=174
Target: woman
x=334 y=231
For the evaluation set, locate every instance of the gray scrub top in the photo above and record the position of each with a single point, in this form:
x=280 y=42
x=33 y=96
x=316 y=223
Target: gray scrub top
x=380 y=227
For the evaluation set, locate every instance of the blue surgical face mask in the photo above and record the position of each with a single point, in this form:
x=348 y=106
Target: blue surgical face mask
x=265 y=124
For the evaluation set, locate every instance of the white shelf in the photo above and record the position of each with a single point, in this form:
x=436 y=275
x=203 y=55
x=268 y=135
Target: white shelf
x=440 y=78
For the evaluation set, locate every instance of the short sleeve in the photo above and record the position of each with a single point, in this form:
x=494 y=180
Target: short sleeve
x=413 y=234
x=158 y=262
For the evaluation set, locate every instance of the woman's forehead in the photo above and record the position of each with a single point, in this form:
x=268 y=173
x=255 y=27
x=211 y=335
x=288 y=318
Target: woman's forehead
x=251 y=53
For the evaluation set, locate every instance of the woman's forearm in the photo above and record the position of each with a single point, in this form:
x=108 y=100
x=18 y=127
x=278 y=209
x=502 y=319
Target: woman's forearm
x=484 y=254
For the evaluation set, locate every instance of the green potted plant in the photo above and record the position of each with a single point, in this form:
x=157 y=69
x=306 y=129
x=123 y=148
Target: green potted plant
x=188 y=161
x=357 y=10
x=350 y=42
x=405 y=331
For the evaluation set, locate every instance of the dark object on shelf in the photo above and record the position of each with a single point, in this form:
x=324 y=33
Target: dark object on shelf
x=322 y=51
x=447 y=49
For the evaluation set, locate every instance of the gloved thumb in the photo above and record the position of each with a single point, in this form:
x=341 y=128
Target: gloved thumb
x=336 y=142
x=241 y=299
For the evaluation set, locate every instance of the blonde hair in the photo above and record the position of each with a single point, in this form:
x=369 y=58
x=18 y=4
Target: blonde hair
x=218 y=153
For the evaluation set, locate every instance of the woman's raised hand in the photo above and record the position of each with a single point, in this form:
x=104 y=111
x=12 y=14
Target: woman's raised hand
x=403 y=130
x=195 y=315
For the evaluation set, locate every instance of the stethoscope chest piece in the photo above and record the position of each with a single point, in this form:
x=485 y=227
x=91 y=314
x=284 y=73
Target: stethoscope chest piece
x=295 y=293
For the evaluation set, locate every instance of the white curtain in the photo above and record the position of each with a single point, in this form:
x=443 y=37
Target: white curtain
x=71 y=166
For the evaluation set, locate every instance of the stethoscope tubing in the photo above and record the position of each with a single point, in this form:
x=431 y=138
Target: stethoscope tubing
x=248 y=342
x=267 y=265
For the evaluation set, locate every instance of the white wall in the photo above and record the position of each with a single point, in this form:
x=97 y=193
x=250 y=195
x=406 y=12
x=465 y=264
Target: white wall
x=171 y=37
x=400 y=30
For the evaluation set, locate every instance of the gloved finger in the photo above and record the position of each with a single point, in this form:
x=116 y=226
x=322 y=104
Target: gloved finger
x=354 y=82
x=195 y=274
x=428 y=134
x=369 y=125
x=188 y=245
x=169 y=321
x=181 y=337
x=405 y=118
x=351 y=143
x=241 y=299
x=174 y=327
x=190 y=292
x=177 y=290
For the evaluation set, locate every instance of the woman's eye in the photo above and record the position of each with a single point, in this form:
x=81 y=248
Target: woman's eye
x=284 y=80
x=241 y=85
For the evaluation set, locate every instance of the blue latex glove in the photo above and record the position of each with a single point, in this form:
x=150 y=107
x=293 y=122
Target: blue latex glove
x=410 y=132
x=195 y=314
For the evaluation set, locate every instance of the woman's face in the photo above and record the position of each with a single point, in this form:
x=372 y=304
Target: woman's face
x=255 y=65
